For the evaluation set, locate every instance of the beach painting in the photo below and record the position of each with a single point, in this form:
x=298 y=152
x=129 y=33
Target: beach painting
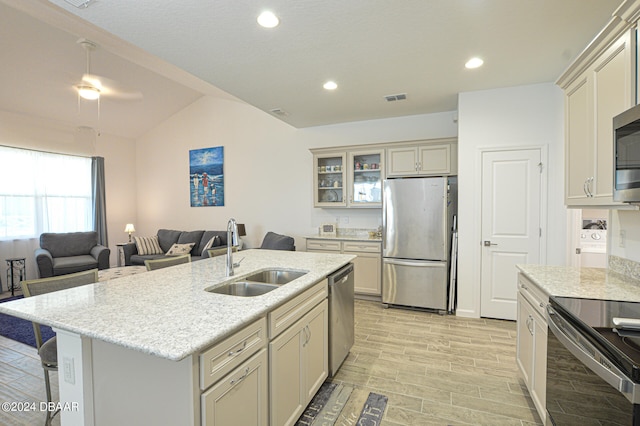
x=206 y=177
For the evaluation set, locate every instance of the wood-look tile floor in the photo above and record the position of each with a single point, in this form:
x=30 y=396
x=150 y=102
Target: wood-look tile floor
x=438 y=370
x=435 y=370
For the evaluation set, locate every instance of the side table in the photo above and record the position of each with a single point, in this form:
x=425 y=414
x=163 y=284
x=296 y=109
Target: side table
x=121 y=253
x=15 y=266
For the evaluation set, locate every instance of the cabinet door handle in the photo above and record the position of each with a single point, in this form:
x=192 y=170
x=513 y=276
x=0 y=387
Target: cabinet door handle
x=589 y=182
x=584 y=187
x=236 y=352
x=241 y=378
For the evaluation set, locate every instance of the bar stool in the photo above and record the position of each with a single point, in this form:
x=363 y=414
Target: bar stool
x=15 y=265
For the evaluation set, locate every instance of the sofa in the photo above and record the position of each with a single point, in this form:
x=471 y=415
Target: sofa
x=166 y=238
x=66 y=253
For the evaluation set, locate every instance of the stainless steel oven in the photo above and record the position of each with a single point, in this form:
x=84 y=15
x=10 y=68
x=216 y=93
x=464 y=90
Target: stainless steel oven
x=593 y=372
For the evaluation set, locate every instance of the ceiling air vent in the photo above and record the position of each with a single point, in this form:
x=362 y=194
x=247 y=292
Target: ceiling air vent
x=280 y=112
x=398 y=97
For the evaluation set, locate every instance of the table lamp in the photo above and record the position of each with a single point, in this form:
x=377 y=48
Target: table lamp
x=129 y=228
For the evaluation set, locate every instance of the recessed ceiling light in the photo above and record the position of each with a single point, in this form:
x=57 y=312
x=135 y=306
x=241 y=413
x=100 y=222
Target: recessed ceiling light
x=330 y=85
x=268 y=19
x=474 y=63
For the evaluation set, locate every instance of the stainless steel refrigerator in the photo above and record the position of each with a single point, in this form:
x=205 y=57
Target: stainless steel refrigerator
x=417 y=220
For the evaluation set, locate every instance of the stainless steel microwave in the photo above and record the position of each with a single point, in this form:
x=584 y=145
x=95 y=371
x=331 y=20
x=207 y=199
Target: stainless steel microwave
x=626 y=156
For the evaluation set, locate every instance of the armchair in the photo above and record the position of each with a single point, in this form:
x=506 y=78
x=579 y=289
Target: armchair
x=66 y=253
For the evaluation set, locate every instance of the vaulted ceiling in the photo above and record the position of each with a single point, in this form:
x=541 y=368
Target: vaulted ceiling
x=174 y=52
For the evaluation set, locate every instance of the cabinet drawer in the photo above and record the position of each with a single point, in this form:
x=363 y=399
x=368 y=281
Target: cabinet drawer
x=218 y=361
x=323 y=245
x=362 y=247
x=534 y=295
x=281 y=318
x=241 y=398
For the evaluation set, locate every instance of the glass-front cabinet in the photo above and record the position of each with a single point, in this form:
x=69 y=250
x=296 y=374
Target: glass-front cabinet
x=348 y=179
x=329 y=180
x=365 y=178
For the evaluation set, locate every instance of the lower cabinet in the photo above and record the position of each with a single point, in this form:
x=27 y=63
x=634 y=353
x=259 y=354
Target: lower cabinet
x=531 y=352
x=367 y=265
x=240 y=398
x=299 y=365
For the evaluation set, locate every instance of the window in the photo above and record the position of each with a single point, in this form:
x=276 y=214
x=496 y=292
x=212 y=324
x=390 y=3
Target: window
x=43 y=192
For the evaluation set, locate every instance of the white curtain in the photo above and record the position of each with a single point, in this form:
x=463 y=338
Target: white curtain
x=43 y=192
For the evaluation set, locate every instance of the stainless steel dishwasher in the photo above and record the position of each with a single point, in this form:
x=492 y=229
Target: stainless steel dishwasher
x=341 y=316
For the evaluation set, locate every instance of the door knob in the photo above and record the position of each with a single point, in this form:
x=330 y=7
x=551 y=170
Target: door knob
x=489 y=243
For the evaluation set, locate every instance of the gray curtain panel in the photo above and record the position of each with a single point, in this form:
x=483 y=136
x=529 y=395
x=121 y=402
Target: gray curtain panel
x=99 y=200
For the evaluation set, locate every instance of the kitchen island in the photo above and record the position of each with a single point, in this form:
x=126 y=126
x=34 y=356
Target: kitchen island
x=138 y=349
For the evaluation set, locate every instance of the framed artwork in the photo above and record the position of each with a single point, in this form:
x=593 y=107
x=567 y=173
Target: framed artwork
x=206 y=177
x=328 y=229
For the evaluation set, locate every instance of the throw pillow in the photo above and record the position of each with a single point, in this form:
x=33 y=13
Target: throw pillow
x=214 y=241
x=180 y=249
x=148 y=245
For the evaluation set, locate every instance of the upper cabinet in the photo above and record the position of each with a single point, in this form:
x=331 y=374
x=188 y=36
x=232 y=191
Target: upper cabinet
x=422 y=160
x=348 y=178
x=366 y=171
x=593 y=96
x=329 y=179
x=352 y=176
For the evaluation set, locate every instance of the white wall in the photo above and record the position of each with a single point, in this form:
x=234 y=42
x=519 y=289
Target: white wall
x=267 y=166
x=509 y=117
x=119 y=154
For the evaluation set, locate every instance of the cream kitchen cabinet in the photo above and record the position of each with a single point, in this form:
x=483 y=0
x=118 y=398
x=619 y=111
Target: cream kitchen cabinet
x=329 y=178
x=299 y=365
x=432 y=159
x=603 y=90
x=367 y=265
x=241 y=397
x=350 y=179
x=531 y=351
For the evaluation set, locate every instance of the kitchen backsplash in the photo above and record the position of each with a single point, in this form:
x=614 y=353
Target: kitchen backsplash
x=354 y=232
x=624 y=266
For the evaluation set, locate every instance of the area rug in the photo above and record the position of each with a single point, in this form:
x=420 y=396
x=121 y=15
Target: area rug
x=21 y=330
x=336 y=404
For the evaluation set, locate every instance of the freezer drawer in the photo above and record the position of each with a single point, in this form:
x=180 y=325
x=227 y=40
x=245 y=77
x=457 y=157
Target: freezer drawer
x=415 y=283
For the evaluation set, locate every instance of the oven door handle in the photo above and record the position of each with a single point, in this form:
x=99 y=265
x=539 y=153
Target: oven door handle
x=612 y=375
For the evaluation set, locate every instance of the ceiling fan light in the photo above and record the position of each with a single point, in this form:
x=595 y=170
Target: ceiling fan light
x=88 y=93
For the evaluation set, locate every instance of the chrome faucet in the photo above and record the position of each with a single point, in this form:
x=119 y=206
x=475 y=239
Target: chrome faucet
x=232 y=240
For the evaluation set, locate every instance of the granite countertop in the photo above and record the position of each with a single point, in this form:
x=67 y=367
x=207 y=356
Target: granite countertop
x=167 y=312
x=586 y=283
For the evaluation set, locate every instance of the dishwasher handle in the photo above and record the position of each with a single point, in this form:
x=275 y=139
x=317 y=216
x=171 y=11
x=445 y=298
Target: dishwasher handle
x=341 y=274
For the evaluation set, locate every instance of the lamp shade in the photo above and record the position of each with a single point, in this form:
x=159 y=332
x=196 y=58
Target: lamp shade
x=129 y=228
x=241 y=231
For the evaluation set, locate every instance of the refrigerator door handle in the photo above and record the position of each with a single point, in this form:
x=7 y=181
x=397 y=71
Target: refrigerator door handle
x=418 y=264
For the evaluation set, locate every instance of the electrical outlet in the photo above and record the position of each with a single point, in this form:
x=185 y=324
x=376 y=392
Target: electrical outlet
x=69 y=370
x=623 y=237
x=344 y=220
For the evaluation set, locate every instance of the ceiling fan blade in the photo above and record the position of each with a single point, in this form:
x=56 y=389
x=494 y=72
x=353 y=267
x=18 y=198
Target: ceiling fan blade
x=111 y=88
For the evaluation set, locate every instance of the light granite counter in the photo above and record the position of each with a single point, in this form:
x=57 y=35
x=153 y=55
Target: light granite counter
x=587 y=283
x=167 y=313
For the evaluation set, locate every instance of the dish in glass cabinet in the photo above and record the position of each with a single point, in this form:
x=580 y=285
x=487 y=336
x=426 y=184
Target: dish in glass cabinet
x=330 y=196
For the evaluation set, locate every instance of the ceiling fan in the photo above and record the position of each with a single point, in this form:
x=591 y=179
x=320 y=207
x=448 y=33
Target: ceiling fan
x=93 y=86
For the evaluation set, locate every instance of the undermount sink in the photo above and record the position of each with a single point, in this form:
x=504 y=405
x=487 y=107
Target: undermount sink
x=243 y=288
x=275 y=276
x=259 y=283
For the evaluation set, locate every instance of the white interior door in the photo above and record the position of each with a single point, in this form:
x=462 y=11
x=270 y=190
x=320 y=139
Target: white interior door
x=511 y=200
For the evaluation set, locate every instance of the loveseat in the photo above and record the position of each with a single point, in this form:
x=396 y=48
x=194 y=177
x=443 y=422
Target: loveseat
x=166 y=238
x=66 y=253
